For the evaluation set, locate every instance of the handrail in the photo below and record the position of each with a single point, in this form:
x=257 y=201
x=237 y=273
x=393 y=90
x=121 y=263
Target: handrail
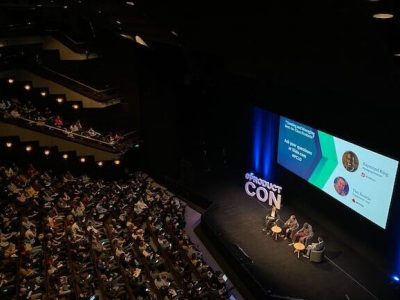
x=76 y=81
x=70 y=38
x=66 y=131
x=129 y=133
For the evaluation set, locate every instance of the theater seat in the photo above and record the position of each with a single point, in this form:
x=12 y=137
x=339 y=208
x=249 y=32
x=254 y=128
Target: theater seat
x=317 y=255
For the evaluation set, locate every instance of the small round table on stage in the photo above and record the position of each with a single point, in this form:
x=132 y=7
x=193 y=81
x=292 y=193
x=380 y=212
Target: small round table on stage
x=298 y=247
x=275 y=231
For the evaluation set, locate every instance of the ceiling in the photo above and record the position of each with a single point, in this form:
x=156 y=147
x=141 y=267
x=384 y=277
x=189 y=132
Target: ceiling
x=326 y=46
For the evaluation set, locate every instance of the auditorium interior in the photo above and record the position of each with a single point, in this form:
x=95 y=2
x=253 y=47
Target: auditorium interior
x=142 y=146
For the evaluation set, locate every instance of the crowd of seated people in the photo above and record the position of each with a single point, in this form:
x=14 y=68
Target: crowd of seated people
x=73 y=128
x=71 y=237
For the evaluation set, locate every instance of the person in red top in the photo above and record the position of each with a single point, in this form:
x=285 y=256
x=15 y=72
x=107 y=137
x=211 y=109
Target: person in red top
x=58 y=121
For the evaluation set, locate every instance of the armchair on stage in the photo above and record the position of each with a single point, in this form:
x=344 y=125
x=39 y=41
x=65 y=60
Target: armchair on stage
x=317 y=255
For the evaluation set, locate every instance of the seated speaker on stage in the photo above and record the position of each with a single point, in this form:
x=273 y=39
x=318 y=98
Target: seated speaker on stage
x=303 y=235
x=315 y=247
x=271 y=218
x=290 y=226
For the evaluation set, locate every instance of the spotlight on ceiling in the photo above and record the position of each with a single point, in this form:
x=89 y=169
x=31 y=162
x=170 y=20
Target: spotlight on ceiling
x=9 y=144
x=174 y=33
x=46 y=152
x=127 y=36
x=130 y=3
x=43 y=93
x=75 y=106
x=383 y=16
x=27 y=87
x=65 y=156
x=100 y=163
x=140 y=41
x=28 y=148
x=59 y=100
x=82 y=159
x=10 y=80
x=117 y=162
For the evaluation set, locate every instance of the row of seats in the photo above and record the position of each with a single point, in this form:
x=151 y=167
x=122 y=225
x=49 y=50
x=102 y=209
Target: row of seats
x=32 y=108
x=75 y=237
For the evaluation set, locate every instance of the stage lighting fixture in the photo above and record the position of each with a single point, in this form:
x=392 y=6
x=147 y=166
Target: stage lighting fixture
x=10 y=80
x=9 y=144
x=47 y=152
x=27 y=87
x=396 y=278
x=130 y=3
x=100 y=163
x=59 y=100
x=82 y=159
x=75 y=106
x=137 y=145
x=174 y=33
x=127 y=36
x=43 y=93
x=118 y=22
x=28 y=148
x=383 y=16
x=140 y=41
x=65 y=156
x=117 y=162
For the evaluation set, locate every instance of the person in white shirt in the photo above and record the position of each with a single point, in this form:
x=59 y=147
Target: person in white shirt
x=270 y=219
x=315 y=246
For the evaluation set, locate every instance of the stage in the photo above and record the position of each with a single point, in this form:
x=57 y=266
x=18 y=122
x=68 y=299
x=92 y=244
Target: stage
x=269 y=268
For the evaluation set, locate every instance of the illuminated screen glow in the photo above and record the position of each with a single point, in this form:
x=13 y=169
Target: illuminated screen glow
x=357 y=177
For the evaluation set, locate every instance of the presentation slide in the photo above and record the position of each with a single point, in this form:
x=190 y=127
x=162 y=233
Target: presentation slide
x=359 y=178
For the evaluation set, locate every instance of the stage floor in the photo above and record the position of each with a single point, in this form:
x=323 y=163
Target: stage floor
x=238 y=219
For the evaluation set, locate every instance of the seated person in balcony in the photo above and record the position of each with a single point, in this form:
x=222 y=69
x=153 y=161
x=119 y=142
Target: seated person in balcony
x=270 y=219
x=76 y=126
x=290 y=226
x=4 y=104
x=302 y=234
x=73 y=128
x=92 y=132
x=315 y=247
x=58 y=121
x=14 y=113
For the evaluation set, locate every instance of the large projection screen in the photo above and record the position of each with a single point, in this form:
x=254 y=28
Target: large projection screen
x=357 y=177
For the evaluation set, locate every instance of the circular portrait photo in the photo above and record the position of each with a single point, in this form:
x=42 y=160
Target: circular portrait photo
x=350 y=161
x=341 y=186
